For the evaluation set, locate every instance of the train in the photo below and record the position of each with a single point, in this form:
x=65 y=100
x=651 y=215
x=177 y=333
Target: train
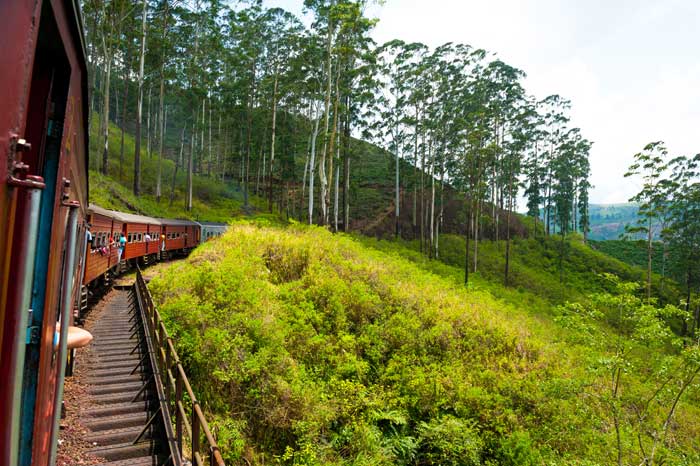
x=54 y=245
x=146 y=240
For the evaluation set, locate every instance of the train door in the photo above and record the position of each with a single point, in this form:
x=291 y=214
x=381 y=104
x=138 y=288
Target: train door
x=48 y=101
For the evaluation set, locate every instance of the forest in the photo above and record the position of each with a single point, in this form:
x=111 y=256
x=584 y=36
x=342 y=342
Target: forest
x=409 y=276
x=249 y=94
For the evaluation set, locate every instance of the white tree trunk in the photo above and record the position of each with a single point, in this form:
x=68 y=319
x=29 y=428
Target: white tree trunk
x=312 y=166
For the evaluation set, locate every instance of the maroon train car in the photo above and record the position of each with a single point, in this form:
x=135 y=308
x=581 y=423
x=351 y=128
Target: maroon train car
x=43 y=201
x=180 y=234
x=142 y=234
x=101 y=255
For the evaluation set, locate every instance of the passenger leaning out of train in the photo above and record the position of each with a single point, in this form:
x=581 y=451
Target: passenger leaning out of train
x=122 y=246
x=88 y=235
x=162 y=242
x=147 y=238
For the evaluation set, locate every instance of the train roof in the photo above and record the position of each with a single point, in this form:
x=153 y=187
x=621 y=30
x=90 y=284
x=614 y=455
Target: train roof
x=177 y=222
x=213 y=224
x=123 y=216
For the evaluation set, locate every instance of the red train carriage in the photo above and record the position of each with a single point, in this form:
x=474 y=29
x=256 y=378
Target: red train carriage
x=43 y=197
x=102 y=255
x=180 y=234
x=142 y=235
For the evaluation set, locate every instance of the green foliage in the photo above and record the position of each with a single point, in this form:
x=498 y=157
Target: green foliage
x=317 y=349
x=213 y=200
x=631 y=252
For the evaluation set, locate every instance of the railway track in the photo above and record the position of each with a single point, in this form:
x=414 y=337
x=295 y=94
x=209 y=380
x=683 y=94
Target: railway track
x=122 y=418
x=137 y=406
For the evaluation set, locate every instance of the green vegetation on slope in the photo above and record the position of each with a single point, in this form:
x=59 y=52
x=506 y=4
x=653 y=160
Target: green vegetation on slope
x=315 y=349
x=213 y=200
x=632 y=252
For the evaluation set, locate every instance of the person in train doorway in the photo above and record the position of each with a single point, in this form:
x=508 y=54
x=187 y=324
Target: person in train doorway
x=162 y=242
x=88 y=235
x=122 y=245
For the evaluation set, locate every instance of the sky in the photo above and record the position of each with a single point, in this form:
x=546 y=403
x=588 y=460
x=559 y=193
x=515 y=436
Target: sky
x=631 y=68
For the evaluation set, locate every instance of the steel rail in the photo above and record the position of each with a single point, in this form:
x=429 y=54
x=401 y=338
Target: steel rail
x=177 y=386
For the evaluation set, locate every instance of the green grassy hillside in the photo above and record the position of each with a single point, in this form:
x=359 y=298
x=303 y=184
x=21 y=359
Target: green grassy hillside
x=213 y=200
x=632 y=252
x=316 y=349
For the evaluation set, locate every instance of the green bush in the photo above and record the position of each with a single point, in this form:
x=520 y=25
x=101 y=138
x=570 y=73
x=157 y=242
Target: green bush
x=310 y=348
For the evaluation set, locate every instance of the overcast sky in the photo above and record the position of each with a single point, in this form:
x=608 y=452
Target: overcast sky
x=630 y=67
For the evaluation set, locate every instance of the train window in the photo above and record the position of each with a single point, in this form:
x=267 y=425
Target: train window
x=140 y=237
x=129 y=238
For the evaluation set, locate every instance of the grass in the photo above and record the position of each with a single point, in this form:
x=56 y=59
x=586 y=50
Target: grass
x=213 y=200
x=316 y=349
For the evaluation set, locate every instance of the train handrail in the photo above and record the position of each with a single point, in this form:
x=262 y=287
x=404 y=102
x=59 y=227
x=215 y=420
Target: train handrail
x=175 y=380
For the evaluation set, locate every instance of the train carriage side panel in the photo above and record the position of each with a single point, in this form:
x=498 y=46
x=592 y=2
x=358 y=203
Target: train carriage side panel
x=180 y=234
x=99 y=254
x=135 y=245
x=55 y=123
x=16 y=257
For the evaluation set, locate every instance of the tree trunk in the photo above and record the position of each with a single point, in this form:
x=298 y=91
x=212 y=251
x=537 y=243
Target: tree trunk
x=190 y=165
x=218 y=149
x=161 y=136
x=124 y=115
x=303 y=185
x=397 y=192
x=327 y=111
x=346 y=170
x=148 y=125
x=105 y=112
x=337 y=187
x=312 y=165
x=650 y=246
x=249 y=135
x=139 y=108
x=161 y=104
x=209 y=163
x=177 y=164
x=272 y=142
x=507 y=271
x=468 y=230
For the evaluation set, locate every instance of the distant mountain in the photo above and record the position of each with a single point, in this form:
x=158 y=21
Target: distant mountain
x=608 y=221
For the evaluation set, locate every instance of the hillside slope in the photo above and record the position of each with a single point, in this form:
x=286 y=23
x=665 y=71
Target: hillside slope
x=324 y=349
x=213 y=199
